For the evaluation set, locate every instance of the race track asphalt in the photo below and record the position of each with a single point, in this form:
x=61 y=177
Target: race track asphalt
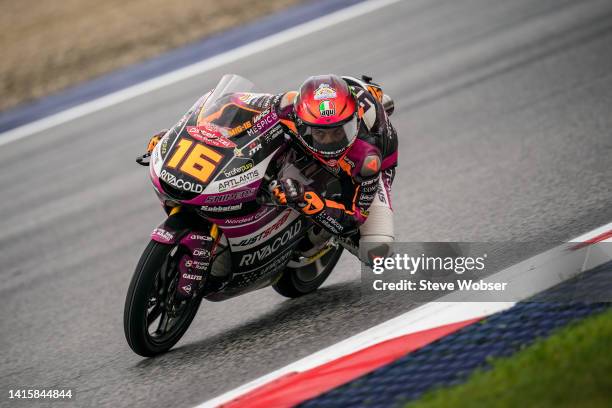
x=503 y=111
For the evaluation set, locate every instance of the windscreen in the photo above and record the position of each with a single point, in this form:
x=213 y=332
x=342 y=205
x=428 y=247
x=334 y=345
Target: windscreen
x=186 y=167
x=218 y=109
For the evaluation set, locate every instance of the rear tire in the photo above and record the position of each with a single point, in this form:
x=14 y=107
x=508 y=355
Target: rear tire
x=296 y=282
x=150 y=301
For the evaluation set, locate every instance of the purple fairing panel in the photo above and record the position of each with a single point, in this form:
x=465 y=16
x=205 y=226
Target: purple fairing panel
x=235 y=196
x=188 y=281
x=250 y=223
x=195 y=262
x=194 y=241
x=358 y=152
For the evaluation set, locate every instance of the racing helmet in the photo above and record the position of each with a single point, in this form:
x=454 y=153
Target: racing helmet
x=326 y=117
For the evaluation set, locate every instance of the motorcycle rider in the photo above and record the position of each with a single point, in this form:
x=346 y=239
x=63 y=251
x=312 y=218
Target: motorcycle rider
x=341 y=122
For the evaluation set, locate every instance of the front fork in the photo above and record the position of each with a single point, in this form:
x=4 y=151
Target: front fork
x=198 y=238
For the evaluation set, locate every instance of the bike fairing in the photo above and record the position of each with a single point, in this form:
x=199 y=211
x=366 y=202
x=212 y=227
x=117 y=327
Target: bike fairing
x=238 y=192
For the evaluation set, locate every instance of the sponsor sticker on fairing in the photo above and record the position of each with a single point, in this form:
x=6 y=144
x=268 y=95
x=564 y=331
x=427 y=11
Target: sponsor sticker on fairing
x=238 y=181
x=155 y=159
x=273 y=134
x=265 y=251
x=277 y=263
x=262 y=124
x=245 y=219
x=191 y=277
x=180 y=183
x=211 y=135
x=260 y=115
x=251 y=177
x=163 y=146
x=231 y=196
x=200 y=237
x=163 y=234
x=255 y=149
x=238 y=169
x=201 y=252
x=240 y=128
x=200 y=265
x=221 y=208
x=267 y=232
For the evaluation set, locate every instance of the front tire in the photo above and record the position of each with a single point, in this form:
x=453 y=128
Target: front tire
x=296 y=282
x=153 y=319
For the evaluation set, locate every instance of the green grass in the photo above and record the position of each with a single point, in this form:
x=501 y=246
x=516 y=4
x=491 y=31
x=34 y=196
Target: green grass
x=571 y=368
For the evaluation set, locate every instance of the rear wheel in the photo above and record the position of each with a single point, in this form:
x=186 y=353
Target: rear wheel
x=153 y=319
x=299 y=281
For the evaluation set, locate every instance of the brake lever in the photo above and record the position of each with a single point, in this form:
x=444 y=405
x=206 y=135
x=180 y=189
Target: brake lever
x=142 y=159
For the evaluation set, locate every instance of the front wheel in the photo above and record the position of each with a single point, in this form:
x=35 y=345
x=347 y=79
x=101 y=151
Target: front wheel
x=153 y=319
x=299 y=281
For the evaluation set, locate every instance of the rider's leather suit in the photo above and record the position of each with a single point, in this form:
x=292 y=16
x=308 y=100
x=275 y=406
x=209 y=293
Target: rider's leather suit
x=366 y=171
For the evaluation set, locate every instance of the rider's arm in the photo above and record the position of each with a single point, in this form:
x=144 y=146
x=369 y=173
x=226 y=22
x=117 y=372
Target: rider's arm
x=375 y=149
x=335 y=217
x=362 y=164
x=379 y=131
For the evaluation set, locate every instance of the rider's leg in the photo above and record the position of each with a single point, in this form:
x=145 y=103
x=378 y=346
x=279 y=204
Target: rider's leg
x=377 y=233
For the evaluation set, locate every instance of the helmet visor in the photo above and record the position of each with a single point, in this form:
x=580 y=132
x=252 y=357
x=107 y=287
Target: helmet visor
x=330 y=141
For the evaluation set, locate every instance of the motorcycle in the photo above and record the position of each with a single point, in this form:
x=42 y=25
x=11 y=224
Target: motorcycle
x=224 y=235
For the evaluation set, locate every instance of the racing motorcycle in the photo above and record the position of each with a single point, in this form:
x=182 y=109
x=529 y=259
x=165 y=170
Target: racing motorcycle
x=224 y=236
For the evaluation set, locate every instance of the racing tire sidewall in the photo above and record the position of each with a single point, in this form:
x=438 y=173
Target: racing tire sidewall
x=291 y=286
x=134 y=317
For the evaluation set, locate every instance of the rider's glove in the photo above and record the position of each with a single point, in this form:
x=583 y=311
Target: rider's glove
x=292 y=192
x=286 y=191
x=155 y=139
